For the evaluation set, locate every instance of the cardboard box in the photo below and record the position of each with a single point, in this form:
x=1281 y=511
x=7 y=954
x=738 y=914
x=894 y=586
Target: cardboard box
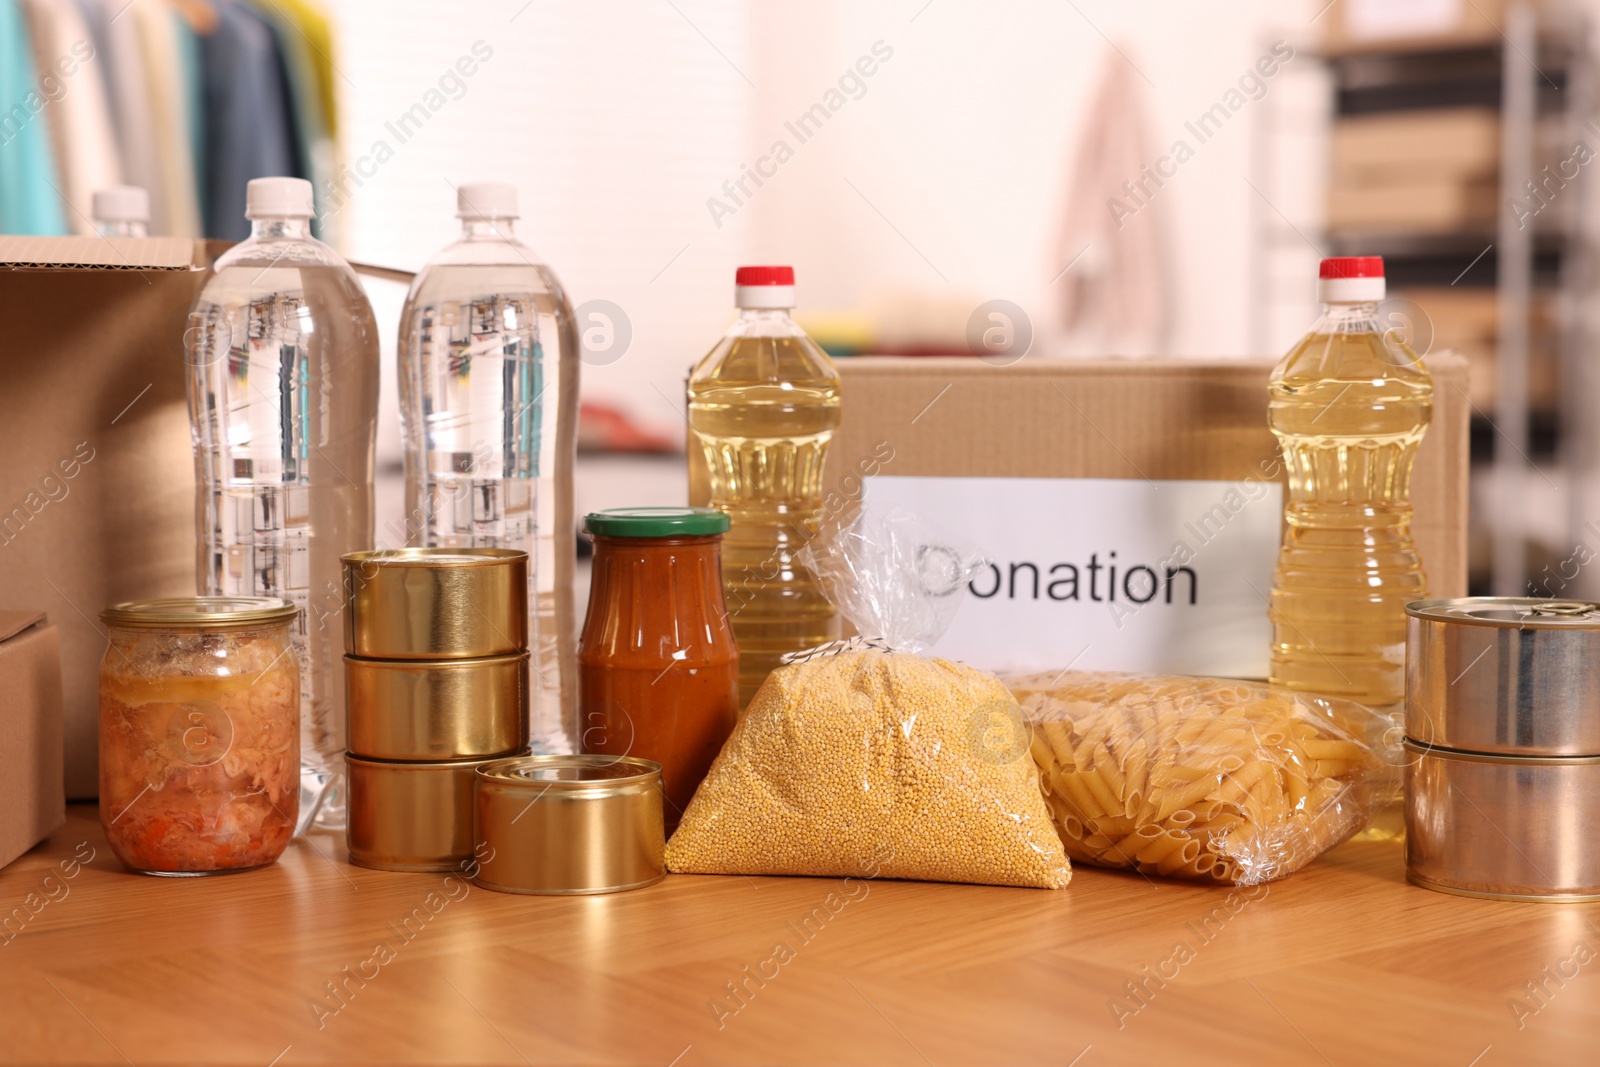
x=1458 y=143
x=1466 y=321
x=1352 y=26
x=1151 y=421
x=1415 y=204
x=32 y=801
x=97 y=489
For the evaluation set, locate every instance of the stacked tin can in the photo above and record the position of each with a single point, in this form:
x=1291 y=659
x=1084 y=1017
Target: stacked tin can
x=1503 y=747
x=436 y=684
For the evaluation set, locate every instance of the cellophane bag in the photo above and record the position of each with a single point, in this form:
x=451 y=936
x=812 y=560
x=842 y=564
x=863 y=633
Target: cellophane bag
x=1202 y=778
x=864 y=757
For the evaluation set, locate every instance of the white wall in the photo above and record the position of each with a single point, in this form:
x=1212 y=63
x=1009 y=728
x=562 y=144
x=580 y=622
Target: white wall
x=620 y=120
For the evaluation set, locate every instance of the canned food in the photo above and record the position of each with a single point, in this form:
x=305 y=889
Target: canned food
x=199 y=733
x=569 y=824
x=1506 y=827
x=437 y=709
x=410 y=816
x=1504 y=675
x=436 y=603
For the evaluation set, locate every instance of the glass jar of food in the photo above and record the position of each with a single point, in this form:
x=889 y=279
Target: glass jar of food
x=658 y=670
x=199 y=733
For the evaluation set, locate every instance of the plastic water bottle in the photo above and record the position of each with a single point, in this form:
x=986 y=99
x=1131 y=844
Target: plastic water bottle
x=121 y=211
x=283 y=398
x=489 y=404
x=1349 y=405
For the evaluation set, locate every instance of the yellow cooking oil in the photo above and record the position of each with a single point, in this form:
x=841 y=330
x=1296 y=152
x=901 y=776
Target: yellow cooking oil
x=1349 y=405
x=763 y=405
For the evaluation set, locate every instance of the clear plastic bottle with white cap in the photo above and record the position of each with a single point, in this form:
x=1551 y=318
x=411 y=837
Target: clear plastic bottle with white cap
x=282 y=349
x=763 y=405
x=1349 y=405
x=488 y=359
x=121 y=211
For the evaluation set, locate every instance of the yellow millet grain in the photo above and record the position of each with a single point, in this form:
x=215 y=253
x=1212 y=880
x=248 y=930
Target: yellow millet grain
x=886 y=765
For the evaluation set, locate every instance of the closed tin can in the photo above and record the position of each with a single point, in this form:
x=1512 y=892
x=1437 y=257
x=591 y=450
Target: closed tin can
x=1510 y=676
x=1503 y=826
x=410 y=816
x=1502 y=778
x=436 y=603
x=569 y=824
x=437 y=709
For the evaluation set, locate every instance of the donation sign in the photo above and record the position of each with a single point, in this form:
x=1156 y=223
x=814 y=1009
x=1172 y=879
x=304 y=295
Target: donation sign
x=1101 y=573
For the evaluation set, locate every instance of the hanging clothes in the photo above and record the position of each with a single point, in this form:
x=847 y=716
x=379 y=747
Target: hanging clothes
x=1115 y=299
x=78 y=113
x=293 y=29
x=250 y=130
x=161 y=34
x=132 y=109
x=29 y=200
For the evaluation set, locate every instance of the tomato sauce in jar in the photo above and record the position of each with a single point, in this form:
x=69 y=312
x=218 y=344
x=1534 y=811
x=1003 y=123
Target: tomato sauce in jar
x=658 y=671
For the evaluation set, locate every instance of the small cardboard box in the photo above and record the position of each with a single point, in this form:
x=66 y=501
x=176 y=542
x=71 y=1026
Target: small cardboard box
x=97 y=488
x=1353 y=26
x=1001 y=437
x=32 y=801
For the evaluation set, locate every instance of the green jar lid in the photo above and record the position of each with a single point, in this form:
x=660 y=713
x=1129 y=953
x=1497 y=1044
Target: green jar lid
x=657 y=522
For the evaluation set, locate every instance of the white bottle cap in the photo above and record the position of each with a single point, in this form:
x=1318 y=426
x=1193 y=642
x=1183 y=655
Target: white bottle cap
x=266 y=198
x=121 y=203
x=486 y=200
x=763 y=287
x=1351 y=280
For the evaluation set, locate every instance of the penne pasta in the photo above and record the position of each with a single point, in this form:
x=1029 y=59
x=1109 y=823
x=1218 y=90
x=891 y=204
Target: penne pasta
x=1195 y=778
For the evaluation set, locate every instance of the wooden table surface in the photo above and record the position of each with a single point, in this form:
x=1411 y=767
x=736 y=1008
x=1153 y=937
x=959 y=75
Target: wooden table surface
x=1342 y=964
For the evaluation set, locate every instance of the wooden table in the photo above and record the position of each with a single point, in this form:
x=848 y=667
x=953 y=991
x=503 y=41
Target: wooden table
x=311 y=961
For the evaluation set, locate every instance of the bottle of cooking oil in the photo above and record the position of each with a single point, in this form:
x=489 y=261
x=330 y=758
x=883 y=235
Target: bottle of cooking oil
x=1349 y=405
x=763 y=405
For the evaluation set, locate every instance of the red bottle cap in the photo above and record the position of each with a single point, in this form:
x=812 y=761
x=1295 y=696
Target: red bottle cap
x=764 y=276
x=1352 y=267
x=763 y=287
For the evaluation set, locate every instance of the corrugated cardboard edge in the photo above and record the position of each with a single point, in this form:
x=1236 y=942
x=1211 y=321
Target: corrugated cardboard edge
x=101 y=253
x=13 y=623
x=136 y=253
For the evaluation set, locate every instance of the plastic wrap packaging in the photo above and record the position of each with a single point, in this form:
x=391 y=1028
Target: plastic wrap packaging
x=867 y=759
x=1200 y=778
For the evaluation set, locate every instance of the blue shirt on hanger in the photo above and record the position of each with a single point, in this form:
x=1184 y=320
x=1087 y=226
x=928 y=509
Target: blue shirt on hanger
x=249 y=117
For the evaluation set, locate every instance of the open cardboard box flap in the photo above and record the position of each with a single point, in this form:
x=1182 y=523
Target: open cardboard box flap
x=97 y=491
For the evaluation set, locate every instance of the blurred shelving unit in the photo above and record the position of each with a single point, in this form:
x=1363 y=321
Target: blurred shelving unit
x=1455 y=139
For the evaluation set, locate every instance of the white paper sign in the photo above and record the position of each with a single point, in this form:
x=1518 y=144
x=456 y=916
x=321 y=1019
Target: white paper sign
x=1104 y=574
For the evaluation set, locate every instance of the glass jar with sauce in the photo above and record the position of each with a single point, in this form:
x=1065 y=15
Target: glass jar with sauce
x=199 y=733
x=658 y=671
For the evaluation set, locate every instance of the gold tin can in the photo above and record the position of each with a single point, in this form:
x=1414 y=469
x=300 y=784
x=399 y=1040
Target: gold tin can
x=569 y=824
x=410 y=816
x=437 y=709
x=1506 y=827
x=436 y=603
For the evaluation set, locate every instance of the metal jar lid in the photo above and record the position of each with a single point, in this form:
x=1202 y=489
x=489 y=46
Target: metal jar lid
x=569 y=824
x=200 y=613
x=1517 y=612
x=1513 y=676
x=657 y=522
x=436 y=603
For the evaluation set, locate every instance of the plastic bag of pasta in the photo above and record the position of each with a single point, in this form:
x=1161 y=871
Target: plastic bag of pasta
x=864 y=758
x=1201 y=778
